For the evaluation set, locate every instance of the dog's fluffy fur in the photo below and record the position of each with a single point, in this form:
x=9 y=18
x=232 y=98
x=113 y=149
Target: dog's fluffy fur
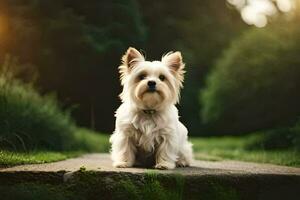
x=148 y=131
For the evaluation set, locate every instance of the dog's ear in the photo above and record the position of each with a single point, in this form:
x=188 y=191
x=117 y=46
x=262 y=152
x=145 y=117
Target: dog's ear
x=173 y=60
x=132 y=57
x=129 y=60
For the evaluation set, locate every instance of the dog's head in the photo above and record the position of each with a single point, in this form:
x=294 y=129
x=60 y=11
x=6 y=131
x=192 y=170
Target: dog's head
x=151 y=85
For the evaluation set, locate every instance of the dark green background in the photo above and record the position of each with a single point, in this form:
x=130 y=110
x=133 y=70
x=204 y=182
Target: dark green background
x=239 y=78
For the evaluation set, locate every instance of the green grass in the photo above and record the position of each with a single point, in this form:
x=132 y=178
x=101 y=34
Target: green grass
x=8 y=158
x=212 y=149
x=237 y=148
x=91 y=142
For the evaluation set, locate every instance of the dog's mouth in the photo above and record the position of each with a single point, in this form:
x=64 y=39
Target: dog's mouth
x=151 y=90
x=150 y=93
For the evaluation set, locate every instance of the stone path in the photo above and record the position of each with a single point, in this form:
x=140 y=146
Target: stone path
x=203 y=180
x=102 y=162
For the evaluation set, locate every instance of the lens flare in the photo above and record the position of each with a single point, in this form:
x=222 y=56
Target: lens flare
x=256 y=12
x=285 y=5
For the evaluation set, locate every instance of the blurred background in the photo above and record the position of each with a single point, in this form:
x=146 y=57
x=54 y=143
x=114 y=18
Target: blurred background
x=242 y=60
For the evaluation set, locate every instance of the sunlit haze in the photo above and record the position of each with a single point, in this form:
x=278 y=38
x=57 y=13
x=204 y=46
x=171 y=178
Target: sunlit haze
x=256 y=12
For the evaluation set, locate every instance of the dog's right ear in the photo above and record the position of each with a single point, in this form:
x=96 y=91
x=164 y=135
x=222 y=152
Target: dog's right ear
x=132 y=57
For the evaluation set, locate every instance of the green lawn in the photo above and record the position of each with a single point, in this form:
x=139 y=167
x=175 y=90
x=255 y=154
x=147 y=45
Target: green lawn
x=213 y=149
x=90 y=142
x=236 y=148
x=9 y=158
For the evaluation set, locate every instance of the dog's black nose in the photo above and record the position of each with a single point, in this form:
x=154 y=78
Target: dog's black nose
x=151 y=84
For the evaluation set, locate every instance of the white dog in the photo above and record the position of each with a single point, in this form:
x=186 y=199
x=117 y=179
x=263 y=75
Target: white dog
x=148 y=130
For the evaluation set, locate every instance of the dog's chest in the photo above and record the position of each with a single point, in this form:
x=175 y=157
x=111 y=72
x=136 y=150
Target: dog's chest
x=148 y=132
x=148 y=123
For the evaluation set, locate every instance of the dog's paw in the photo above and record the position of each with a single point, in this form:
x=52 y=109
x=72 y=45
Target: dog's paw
x=182 y=163
x=122 y=164
x=165 y=165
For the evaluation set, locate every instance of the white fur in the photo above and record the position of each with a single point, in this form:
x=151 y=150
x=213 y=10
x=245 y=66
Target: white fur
x=160 y=133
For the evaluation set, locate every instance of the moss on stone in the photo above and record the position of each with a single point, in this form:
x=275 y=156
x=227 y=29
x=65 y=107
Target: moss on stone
x=82 y=169
x=34 y=191
x=90 y=185
x=220 y=191
x=127 y=186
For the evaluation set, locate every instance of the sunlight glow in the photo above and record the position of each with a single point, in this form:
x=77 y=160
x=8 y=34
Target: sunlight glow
x=256 y=12
x=237 y=3
x=284 y=5
x=2 y=26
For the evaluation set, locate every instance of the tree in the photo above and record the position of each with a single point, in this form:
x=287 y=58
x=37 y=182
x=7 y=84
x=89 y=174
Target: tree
x=76 y=48
x=200 y=30
x=255 y=84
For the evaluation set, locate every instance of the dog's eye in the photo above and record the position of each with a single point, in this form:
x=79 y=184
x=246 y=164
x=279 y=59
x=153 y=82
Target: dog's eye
x=142 y=76
x=162 y=77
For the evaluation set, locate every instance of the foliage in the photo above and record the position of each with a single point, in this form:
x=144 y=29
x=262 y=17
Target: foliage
x=255 y=83
x=90 y=141
x=75 y=48
x=200 y=30
x=279 y=139
x=29 y=121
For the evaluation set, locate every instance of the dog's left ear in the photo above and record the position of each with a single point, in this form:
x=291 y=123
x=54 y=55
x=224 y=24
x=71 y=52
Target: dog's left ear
x=131 y=58
x=173 y=60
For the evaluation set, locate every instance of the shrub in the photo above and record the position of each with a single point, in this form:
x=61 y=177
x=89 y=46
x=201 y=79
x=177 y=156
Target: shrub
x=91 y=141
x=280 y=138
x=30 y=121
x=75 y=46
x=255 y=84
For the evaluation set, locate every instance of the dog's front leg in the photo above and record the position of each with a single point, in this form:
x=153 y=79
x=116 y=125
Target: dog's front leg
x=123 y=151
x=166 y=155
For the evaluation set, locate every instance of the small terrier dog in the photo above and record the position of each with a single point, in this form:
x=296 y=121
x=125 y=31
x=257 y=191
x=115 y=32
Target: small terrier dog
x=148 y=131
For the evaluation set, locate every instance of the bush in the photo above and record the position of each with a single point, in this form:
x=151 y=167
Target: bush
x=255 y=85
x=29 y=121
x=75 y=47
x=91 y=141
x=280 y=138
